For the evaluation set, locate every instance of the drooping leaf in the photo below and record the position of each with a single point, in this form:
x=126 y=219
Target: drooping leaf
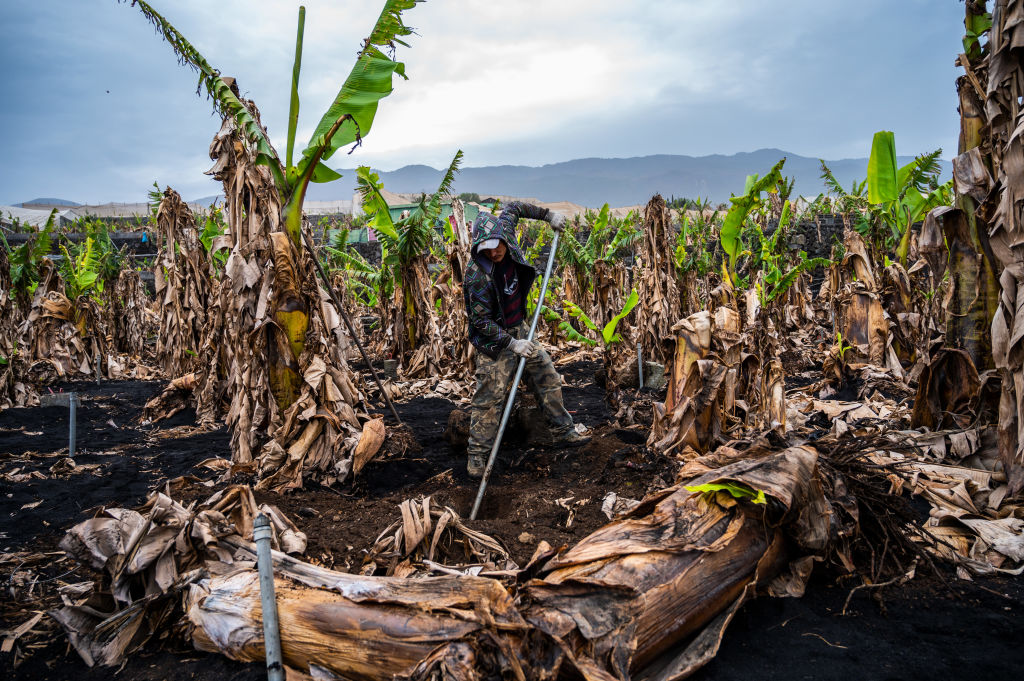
x=225 y=101
x=579 y=315
x=608 y=332
x=574 y=335
x=374 y=204
x=369 y=81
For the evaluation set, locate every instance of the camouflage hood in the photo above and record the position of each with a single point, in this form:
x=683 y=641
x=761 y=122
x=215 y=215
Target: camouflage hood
x=484 y=299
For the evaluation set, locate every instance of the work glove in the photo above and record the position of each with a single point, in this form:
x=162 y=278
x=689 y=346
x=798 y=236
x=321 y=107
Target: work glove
x=524 y=348
x=557 y=221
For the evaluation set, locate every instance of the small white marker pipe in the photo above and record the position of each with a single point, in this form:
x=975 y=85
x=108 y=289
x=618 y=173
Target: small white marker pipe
x=639 y=367
x=72 y=423
x=261 y=532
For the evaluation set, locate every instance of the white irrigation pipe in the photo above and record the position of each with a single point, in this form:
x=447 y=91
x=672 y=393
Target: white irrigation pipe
x=515 y=381
x=639 y=367
x=72 y=423
x=261 y=532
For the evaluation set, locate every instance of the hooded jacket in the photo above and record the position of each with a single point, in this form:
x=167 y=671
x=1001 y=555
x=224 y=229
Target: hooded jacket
x=485 y=302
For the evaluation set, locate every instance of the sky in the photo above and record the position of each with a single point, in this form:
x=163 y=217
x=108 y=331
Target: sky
x=95 y=108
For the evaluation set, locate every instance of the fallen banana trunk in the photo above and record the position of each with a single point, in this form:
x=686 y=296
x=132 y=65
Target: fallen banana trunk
x=355 y=626
x=614 y=606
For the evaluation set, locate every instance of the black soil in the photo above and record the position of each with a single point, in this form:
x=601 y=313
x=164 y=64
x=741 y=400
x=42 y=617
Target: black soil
x=921 y=630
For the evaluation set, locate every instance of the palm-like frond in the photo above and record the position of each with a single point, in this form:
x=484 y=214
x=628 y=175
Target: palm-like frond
x=625 y=236
x=790 y=276
x=25 y=259
x=831 y=183
x=598 y=230
x=415 y=235
x=923 y=173
x=433 y=208
x=571 y=251
x=368 y=281
x=225 y=100
x=375 y=205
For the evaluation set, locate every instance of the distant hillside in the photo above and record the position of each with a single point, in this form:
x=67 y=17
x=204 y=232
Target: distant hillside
x=208 y=200
x=49 y=202
x=617 y=181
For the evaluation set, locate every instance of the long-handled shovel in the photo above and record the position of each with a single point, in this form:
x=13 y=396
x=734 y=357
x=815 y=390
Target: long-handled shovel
x=515 y=380
x=348 y=323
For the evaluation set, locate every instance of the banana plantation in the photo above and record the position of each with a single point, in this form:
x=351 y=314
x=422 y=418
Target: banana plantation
x=258 y=464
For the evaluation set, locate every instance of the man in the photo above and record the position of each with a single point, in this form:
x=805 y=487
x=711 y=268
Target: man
x=497 y=282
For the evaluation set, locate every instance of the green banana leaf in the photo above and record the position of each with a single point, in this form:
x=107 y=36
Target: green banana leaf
x=579 y=315
x=374 y=204
x=608 y=332
x=737 y=490
x=369 y=82
x=790 y=276
x=883 y=174
x=293 y=105
x=574 y=335
x=570 y=333
x=732 y=225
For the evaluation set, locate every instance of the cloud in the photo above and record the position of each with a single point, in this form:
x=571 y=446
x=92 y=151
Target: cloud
x=518 y=81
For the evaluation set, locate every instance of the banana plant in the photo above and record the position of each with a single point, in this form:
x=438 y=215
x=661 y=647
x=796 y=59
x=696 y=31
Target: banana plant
x=900 y=196
x=81 y=270
x=732 y=224
x=548 y=314
x=347 y=120
x=696 y=247
x=26 y=259
x=609 y=336
x=404 y=245
x=598 y=246
x=214 y=226
x=590 y=265
x=369 y=284
x=772 y=260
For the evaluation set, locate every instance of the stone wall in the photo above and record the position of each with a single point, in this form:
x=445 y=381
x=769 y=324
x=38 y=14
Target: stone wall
x=815 y=237
x=370 y=250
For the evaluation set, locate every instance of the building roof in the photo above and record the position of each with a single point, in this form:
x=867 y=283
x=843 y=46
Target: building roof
x=33 y=216
x=327 y=207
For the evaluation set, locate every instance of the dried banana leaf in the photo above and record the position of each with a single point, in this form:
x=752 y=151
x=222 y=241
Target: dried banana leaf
x=184 y=286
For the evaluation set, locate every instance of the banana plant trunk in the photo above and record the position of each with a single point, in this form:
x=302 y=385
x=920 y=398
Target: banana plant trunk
x=973 y=294
x=291 y=314
x=994 y=179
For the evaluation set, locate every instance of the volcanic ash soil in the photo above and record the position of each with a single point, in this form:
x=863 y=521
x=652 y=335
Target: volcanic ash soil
x=926 y=629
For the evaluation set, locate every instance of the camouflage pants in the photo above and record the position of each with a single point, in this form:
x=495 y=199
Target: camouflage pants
x=492 y=380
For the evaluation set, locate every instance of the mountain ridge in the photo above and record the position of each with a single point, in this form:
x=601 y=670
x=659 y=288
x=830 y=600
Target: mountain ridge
x=626 y=181
x=593 y=181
